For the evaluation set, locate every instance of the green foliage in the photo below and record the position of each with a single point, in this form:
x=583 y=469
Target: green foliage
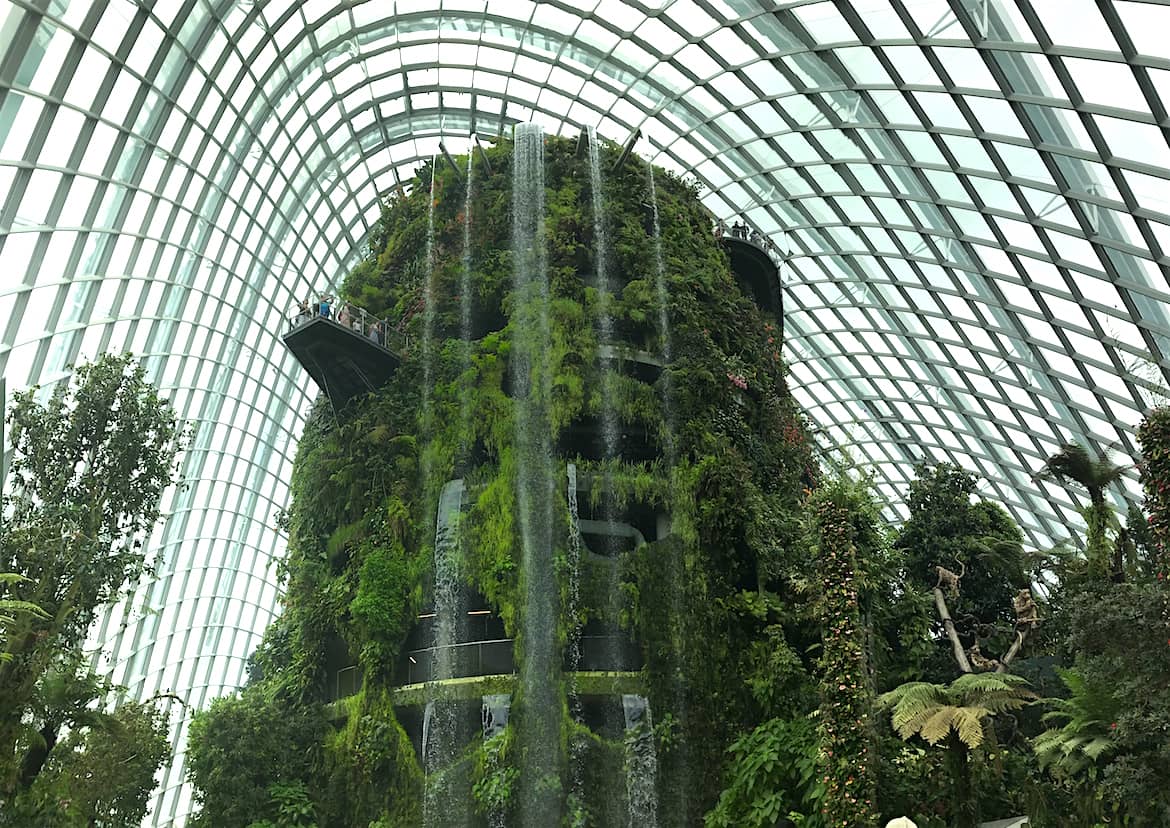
x=1073 y=464
x=843 y=527
x=370 y=769
x=934 y=711
x=381 y=608
x=949 y=526
x=105 y=770
x=959 y=716
x=1088 y=717
x=294 y=808
x=1117 y=635
x=493 y=776
x=11 y=609
x=89 y=466
x=1154 y=437
x=243 y=745
x=772 y=776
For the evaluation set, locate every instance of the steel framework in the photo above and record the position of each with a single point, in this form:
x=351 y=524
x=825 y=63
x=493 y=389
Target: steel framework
x=970 y=196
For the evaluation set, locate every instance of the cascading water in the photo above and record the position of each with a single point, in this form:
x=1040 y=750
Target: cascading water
x=465 y=303
x=573 y=659
x=611 y=649
x=675 y=569
x=662 y=294
x=605 y=339
x=641 y=763
x=445 y=804
x=609 y=421
x=538 y=706
x=495 y=711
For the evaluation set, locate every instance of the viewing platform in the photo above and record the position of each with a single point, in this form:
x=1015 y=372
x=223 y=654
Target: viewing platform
x=755 y=267
x=346 y=351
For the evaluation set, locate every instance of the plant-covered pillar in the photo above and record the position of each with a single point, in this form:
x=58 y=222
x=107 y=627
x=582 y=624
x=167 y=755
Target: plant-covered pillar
x=844 y=760
x=1154 y=437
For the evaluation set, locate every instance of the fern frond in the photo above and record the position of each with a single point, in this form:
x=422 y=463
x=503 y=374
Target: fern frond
x=968 y=724
x=938 y=725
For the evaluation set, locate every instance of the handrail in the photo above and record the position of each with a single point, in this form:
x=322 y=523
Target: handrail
x=751 y=236
x=351 y=317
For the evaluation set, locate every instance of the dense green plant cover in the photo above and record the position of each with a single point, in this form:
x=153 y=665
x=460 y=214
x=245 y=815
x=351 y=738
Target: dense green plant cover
x=367 y=479
x=770 y=617
x=1074 y=464
x=956 y=715
x=1154 y=437
x=90 y=463
x=839 y=514
x=950 y=526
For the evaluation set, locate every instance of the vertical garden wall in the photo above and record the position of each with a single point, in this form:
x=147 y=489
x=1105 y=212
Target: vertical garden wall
x=573 y=564
x=566 y=322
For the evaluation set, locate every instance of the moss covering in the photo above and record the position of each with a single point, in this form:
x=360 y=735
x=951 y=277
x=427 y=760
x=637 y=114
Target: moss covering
x=711 y=439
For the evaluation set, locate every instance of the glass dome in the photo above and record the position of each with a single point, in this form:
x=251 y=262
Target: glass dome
x=970 y=199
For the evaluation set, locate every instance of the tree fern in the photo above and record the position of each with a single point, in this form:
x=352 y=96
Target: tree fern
x=964 y=707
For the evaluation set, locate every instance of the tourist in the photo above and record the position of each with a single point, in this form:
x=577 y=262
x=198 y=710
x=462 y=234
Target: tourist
x=343 y=315
x=325 y=308
x=303 y=312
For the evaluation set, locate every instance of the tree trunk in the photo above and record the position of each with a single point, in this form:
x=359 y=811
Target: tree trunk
x=34 y=760
x=966 y=808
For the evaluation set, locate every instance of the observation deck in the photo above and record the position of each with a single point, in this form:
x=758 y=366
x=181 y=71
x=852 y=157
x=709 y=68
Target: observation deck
x=347 y=352
x=756 y=270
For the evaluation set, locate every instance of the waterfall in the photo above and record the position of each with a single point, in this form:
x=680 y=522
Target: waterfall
x=465 y=304
x=576 y=759
x=673 y=564
x=494 y=713
x=609 y=422
x=663 y=296
x=606 y=345
x=539 y=708
x=444 y=802
x=641 y=763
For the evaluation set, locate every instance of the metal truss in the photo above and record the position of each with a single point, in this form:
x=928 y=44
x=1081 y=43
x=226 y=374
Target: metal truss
x=970 y=196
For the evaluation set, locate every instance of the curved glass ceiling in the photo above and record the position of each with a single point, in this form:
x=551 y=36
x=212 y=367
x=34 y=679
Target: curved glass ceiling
x=971 y=197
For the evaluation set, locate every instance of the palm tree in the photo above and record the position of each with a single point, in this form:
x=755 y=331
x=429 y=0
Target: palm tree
x=1072 y=464
x=958 y=714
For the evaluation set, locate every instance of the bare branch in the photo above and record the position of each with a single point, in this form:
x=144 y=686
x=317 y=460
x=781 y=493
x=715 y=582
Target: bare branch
x=940 y=602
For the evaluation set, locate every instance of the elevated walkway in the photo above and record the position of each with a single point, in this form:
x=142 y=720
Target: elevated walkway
x=756 y=271
x=346 y=357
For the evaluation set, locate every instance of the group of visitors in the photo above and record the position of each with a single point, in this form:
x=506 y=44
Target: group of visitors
x=741 y=230
x=343 y=313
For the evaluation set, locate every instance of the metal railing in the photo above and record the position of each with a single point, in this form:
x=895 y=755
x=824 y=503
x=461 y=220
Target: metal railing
x=347 y=682
x=347 y=315
x=495 y=657
x=751 y=236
